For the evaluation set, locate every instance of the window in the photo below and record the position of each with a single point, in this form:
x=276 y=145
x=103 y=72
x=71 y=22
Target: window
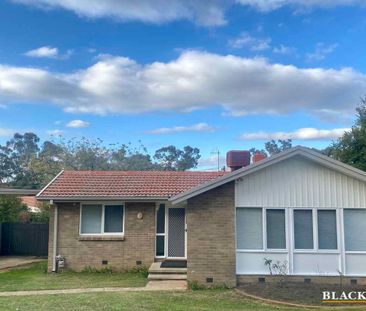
x=327 y=229
x=160 y=231
x=101 y=219
x=276 y=228
x=249 y=227
x=303 y=229
x=354 y=229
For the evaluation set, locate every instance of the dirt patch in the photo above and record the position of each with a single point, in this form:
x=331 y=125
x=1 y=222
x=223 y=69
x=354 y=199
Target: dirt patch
x=299 y=293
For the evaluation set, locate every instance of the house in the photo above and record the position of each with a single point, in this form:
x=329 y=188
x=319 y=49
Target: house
x=32 y=203
x=298 y=207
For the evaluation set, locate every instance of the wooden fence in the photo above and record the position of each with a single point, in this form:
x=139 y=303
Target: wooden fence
x=24 y=239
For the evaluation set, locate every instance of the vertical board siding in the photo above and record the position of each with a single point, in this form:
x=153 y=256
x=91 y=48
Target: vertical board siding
x=299 y=182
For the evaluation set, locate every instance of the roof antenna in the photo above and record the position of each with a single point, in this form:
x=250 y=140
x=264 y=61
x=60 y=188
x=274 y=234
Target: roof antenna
x=217 y=152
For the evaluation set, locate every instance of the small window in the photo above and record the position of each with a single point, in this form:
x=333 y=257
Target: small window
x=303 y=229
x=276 y=229
x=354 y=229
x=327 y=229
x=249 y=228
x=92 y=216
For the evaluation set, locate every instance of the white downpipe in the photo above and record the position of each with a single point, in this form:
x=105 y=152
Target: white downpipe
x=55 y=229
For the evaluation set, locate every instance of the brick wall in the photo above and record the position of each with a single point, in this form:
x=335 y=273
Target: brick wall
x=138 y=243
x=211 y=237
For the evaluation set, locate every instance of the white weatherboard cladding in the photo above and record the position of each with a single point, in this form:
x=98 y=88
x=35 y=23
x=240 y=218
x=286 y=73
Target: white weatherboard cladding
x=298 y=182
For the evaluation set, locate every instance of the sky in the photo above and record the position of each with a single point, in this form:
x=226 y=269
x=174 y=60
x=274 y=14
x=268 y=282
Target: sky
x=217 y=75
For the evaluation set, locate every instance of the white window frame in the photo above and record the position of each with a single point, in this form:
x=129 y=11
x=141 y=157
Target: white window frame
x=264 y=232
x=344 y=234
x=102 y=233
x=315 y=248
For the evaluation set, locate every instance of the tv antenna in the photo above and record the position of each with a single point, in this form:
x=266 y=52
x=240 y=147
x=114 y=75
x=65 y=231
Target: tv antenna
x=217 y=153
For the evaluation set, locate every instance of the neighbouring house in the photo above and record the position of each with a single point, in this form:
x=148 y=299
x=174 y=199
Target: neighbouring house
x=298 y=207
x=32 y=203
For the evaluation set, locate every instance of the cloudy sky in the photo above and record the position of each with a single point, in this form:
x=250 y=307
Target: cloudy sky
x=214 y=74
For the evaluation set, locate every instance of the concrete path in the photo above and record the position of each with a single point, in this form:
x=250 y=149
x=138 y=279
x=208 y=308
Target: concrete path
x=10 y=262
x=151 y=286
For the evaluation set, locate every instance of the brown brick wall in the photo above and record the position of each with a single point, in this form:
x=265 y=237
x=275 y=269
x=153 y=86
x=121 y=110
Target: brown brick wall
x=211 y=236
x=138 y=243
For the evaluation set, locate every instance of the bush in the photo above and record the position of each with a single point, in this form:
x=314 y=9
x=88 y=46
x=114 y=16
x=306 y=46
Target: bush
x=11 y=208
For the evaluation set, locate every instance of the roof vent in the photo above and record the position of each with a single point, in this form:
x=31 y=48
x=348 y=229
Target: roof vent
x=258 y=157
x=236 y=159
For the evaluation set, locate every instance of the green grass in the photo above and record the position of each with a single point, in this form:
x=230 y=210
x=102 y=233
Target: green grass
x=35 y=277
x=192 y=300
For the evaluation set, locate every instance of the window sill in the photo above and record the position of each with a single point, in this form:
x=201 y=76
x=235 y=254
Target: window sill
x=101 y=237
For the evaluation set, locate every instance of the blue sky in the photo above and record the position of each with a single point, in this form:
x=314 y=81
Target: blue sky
x=211 y=74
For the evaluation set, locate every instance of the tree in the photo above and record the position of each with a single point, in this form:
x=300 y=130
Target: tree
x=272 y=147
x=351 y=147
x=10 y=208
x=25 y=163
x=173 y=159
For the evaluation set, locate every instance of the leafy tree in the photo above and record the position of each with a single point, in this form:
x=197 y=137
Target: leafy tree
x=173 y=159
x=351 y=147
x=26 y=163
x=10 y=208
x=272 y=147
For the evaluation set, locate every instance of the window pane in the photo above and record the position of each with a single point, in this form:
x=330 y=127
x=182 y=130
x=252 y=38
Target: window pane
x=276 y=236
x=160 y=219
x=91 y=218
x=160 y=245
x=113 y=218
x=303 y=227
x=327 y=229
x=354 y=229
x=249 y=228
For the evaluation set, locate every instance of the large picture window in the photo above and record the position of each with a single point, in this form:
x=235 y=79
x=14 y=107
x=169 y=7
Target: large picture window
x=354 y=229
x=101 y=219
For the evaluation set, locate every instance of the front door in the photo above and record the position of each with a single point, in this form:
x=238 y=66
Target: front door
x=176 y=233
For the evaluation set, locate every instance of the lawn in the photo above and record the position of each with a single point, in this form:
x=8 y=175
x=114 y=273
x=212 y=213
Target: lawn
x=191 y=300
x=35 y=277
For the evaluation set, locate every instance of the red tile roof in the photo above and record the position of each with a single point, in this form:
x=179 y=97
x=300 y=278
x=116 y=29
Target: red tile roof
x=89 y=184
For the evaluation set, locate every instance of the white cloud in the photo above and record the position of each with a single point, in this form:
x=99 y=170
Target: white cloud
x=55 y=132
x=195 y=80
x=4 y=132
x=284 y=50
x=48 y=52
x=199 y=127
x=44 y=51
x=246 y=40
x=270 y=5
x=206 y=13
x=302 y=134
x=321 y=51
x=78 y=124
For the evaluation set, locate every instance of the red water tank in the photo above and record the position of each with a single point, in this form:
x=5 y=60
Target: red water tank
x=258 y=157
x=236 y=159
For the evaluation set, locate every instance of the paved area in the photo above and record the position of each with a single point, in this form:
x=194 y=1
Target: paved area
x=151 y=286
x=9 y=262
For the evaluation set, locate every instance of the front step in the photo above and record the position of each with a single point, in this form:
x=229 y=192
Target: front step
x=158 y=273
x=164 y=277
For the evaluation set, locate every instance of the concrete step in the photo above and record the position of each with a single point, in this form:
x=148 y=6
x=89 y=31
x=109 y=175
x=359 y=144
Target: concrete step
x=167 y=277
x=156 y=269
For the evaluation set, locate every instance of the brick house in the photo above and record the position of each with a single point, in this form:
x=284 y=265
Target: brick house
x=298 y=207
